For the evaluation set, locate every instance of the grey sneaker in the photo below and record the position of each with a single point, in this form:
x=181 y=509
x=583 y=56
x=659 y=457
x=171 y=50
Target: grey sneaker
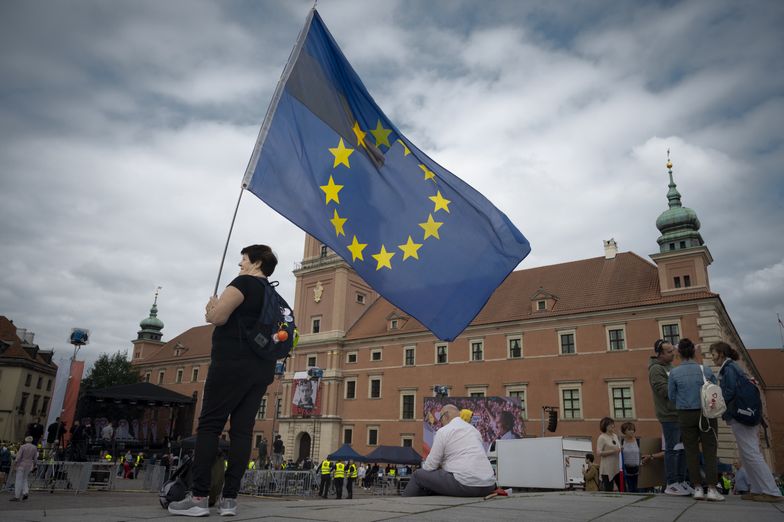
x=227 y=507
x=191 y=507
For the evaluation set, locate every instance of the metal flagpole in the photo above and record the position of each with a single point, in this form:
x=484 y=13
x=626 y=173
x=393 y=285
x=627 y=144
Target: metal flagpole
x=265 y=125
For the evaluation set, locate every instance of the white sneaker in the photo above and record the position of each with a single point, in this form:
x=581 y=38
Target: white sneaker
x=227 y=506
x=675 y=489
x=686 y=487
x=714 y=495
x=698 y=494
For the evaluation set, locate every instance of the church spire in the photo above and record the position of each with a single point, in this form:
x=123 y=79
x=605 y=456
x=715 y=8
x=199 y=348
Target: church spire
x=678 y=225
x=151 y=326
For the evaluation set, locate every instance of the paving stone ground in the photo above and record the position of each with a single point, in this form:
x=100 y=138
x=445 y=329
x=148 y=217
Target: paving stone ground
x=96 y=506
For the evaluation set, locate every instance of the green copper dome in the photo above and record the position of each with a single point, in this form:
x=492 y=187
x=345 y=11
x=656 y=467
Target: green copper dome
x=151 y=326
x=678 y=225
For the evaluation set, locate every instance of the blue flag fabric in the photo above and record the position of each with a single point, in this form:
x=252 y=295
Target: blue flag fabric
x=330 y=161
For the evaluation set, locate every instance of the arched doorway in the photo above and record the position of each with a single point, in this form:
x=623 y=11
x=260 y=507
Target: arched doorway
x=304 y=447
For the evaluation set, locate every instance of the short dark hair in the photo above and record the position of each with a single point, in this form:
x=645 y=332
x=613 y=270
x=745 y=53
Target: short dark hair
x=686 y=348
x=658 y=345
x=589 y=457
x=725 y=349
x=626 y=426
x=507 y=419
x=605 y=423
x=264 y=254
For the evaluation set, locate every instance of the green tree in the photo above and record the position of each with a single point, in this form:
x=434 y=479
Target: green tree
x=111 y=370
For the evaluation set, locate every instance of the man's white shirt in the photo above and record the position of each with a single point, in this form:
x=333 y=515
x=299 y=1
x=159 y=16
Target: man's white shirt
x=458 y=449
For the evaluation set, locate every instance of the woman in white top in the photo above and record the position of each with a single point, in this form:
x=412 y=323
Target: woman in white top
x=609 y=447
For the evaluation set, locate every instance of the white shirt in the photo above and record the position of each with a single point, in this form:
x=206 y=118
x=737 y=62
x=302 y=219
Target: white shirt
x=458 y=449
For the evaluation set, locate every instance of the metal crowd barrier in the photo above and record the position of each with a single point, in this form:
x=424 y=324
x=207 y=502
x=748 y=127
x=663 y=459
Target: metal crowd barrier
x=277 y=483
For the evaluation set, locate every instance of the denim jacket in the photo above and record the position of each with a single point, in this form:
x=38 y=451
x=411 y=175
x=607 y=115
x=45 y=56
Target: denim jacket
x=685 y=384
x=729 y=373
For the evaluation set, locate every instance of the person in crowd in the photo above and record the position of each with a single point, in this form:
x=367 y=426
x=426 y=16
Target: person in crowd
x=506 y=422
x=351 y=475
x=325 y=470
x=590 y=473
x=457 y=464
x=630 y=452
x=339 y=476
x=684 y=389
x=236 y=382
x=78 y=442
x=608 y=447
x=5 y=465
x=361 y=474
x=659 y=368
x=278 y=449
x=262 y=447
x=24 y=463
x=51 y=432
x=762 y=483
x=36 y=431
x=107 y=432
x=61 y=433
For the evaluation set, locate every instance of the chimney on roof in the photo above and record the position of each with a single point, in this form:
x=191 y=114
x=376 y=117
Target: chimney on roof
x=29 y=336
x=20 y=333
x=610 y=248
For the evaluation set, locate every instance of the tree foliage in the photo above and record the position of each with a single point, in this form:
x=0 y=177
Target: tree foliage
x=111 y=370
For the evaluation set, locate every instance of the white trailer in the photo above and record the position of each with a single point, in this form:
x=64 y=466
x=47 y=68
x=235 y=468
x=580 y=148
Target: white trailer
x=542 y=462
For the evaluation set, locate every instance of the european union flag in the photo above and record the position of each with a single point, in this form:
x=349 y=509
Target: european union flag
x=329 y=160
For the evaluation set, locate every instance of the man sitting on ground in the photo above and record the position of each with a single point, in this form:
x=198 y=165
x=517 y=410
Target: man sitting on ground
x=457 y=465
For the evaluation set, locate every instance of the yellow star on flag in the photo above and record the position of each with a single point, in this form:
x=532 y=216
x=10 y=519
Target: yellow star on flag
x=383 y=258
x=360 y=134
x=428 y=173
x=338 y=223
x=356 y=249
x=331 y=191
x=406 y=152
x=431 y=227
x=341 y=154
x=381 y=134
x=410 y=249
x=441 y=202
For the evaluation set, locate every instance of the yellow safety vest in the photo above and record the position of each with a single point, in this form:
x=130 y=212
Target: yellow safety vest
x=340 y=470
x=108 y=458
x=283 y=466
x=325 y=467
x=392 y=472
x=251 y=464
x=352 y=471
x=138 y=460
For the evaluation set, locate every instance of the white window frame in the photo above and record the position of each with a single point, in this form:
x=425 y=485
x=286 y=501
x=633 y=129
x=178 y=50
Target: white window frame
x=408 y=393
x=313 y=324
x=541 y=305
x=348 y=357
x=360 y=298
x=178 y=375
x=471 y=343
x=477 y=389
x=315 y=361
x=446 y=348
x=394 y=324
x=405 y=350
x=378 y=351
x=378 y=434
x=607 y=330
x=665 y=322
x=343 y=435
x=345 y=390
x=147 y=376
x=195 y=374
x=516 y=388
x=509 y=339
x=407 y=437
x=611 y=385
x=370 y=386
x=161 y=375
x=571 y=331
x=571 y=386
x=261 y=413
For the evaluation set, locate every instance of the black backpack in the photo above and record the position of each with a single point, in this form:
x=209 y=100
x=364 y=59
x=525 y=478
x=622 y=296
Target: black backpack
x=746 y=406
x=273 y=334
x=175 y=488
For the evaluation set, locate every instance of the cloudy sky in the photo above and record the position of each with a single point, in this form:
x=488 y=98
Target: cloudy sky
x=126 y=128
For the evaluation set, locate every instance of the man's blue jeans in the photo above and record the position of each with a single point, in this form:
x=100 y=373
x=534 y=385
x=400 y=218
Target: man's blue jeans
x=674 y=460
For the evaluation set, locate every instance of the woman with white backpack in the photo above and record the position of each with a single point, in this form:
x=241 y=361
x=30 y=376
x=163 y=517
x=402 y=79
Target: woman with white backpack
x=743 y=417
x=685 y=390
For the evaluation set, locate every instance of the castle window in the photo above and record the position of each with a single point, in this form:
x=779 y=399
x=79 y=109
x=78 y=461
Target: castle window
x=375 y=355
x=361 y=298
x=683 y=244
x=686 y=281
x=541 y=305
x=323 y=250
x=677 y=282
x=315 y=325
